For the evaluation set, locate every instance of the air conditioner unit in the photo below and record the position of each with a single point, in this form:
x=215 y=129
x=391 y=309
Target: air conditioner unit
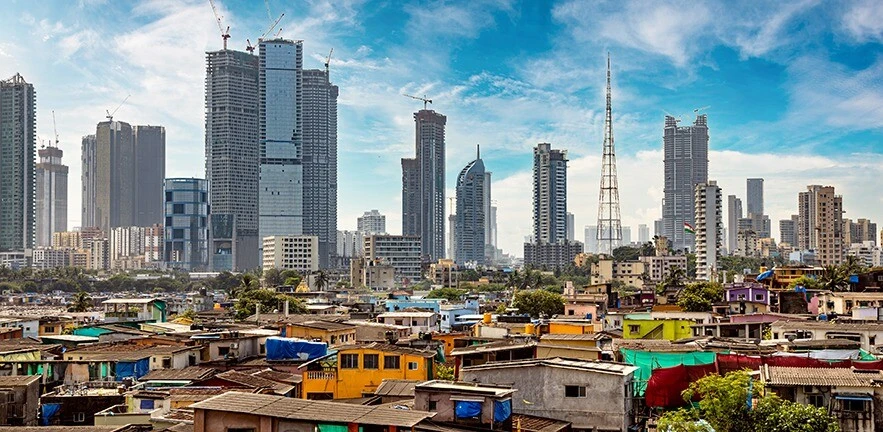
x=234 y=345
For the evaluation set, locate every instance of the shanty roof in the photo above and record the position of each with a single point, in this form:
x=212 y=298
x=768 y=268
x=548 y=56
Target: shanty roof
x=324 y=325
x=131 y=300
x=823 y=377
x=529 y=423
x=570 y=337
x=19 y=380
x=396 y=387
x=63 y=428
x=192 y=373
x=254 y=381
x=558 y=362
x=828 y=325
x=311 y=410
x=504 y=345
x=282 y=377
x=406 y=314
x=387 y=348
x=462 y=387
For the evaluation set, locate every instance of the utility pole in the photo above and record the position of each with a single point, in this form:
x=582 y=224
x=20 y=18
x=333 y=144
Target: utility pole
x=609 y=223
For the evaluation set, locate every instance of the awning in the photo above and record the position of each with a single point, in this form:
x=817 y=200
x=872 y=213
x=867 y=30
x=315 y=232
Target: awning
x=854 y=397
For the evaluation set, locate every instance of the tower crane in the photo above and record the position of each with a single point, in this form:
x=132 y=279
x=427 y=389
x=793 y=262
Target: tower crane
x=328 y=61
x=55 y=129
x=425 y=101
x=111 y=113
x=249 y=47
x=272 y=26
x=225 y=34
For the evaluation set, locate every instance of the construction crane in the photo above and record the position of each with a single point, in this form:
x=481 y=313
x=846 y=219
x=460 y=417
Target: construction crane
x=225 y=34
x=328 y=61
x=425 y=101
x=272 y=26
x=55 y=128
x=701 y=109
x=249 y=47
x=111 y=113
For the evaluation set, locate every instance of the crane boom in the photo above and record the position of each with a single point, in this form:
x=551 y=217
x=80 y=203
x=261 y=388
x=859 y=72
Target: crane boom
x=111 y=113
x=55 y=128
x=328 y=60
x=275 y=23
x=225 y=34
x=425 y=101
x=701 y=109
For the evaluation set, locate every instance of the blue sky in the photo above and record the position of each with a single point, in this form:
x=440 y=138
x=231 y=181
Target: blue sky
x=795 y=89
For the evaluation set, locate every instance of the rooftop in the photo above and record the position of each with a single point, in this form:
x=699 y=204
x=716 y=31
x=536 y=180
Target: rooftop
x=828 y=325
x=396 y=387
x=324 y=325
x=192 y=373
x=504 y=345
x=131 y=300
x=558 y=362
x=19 y=380
x=461 y=387
x=282 y=377
x=311 y=410
x=253 y=381
x=419 y=314
x=822 y=377
x=570 y=337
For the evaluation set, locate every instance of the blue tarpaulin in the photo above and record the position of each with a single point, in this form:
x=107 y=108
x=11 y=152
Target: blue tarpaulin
x=132 y=369
x=765 y=274
x=48 y=410
x=502 y=410
x=279 y=348
x=467 y=409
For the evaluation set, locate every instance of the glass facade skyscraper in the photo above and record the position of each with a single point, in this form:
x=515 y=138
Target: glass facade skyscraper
x=186 y=223
x=471 y=220
x=686 y=165
x=18 y=124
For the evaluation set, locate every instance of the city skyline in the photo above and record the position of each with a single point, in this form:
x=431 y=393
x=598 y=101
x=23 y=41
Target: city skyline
x=794 y=126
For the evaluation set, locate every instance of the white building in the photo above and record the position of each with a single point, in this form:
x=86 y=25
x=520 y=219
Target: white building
x=372 y=222
x=401 y=252
x=709 y=226
x=350 y=244
x=298 y=253
x=48 y=257
x=747 y=244
x=867 y=251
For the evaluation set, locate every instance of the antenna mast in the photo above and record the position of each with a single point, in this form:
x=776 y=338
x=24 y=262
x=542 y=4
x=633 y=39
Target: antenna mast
x=609 y=223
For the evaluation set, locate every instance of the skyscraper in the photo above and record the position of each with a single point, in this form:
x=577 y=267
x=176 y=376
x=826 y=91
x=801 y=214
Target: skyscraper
x=626 y=236
x=754 y=188
x=371 y=222
x=686 y=165
x=423 y=186
x=51 y=195
x=280 y=120
x=609 y=223
x=549 y=194
x=150 y=172
x=643 y=233
x=186 y=227
x=18 y=123
x=734 y=213
x=820 y=224
x=112 y=176
x=471 y=220
x=320 y=161
x=708 y=228
x=591 y=234
x=787 y=229
x=232 y=154
x=571 y=235
x=89 y=164
x=490 y=245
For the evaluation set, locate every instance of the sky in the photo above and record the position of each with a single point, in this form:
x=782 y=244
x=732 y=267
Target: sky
x=793 y=90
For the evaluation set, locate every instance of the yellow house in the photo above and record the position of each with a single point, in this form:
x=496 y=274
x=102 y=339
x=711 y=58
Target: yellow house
x=575 y=346
x=641 y=326
x=573 y=327
x=330 y=332
x=55 y=326
x=356 y=370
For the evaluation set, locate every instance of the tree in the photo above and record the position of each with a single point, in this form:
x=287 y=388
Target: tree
x=805 y=281
x=853 y=266
x=834 y=278
x=700 y=296
x=674 y=279
x=469 y=275
x=188 y=314
x=725 y=408
x=538 y=303
x=449 y=294
x=81 y=302
x=273 y=278
x=247 y=282
x=270 y=300
x=691 y=265
x=321 y=280
x=626 y=253
x=444 y=372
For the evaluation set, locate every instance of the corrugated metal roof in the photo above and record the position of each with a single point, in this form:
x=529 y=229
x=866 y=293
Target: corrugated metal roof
x=310 y=410
x=396 y=387
x=191 y=373
x=822 y=377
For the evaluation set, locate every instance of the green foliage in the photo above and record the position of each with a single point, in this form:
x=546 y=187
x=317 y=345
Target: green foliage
x=450 y=294
x=80 y=302
x=738 y=264
x=9 y=286
x=444 y=372
x=322 y=280
x=774 y=414
x=805 y=281
x=691 y=265
x=270 y=300
x=724 y=406
x=273 y=278
x=188 y=314
x=469 y=275
x=673 y=280
x=835 y=278
x=538 y=303
x=293 y=281
x=700 y=296
x=626 y=253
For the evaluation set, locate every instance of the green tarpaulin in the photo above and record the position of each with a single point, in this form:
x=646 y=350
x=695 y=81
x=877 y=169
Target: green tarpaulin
x=646 y=361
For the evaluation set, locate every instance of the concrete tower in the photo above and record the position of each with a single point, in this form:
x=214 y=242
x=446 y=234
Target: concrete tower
x=18 y=123
x=232 y=157
x=51 y=195
x=471 y=221
x=549 y=194
x=423 y=186
x=708 y=228
x=686 y=165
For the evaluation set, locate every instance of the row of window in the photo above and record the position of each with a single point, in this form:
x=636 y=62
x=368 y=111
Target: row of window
x=372 y=361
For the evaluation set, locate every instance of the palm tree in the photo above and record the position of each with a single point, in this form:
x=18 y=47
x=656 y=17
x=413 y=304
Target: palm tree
x=247 y=282
x=853 y=266
x=81 y=302
x=834 y=278
x=674 y=278
x=321 y=280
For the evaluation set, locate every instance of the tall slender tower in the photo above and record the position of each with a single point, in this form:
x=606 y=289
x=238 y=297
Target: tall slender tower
x=609 y=224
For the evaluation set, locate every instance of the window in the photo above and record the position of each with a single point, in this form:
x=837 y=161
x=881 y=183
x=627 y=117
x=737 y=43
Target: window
x=853 y=405
x=223 y=351
x=79 y=417
x=815 y=399
x=263 y=349
x=392 y=362
x=413 y=366
x=177 y=208
x=634 y=329
x=372 y=361
x=758 y=297
x=433 y=405
x=240 y=430
x=574 y=391
x=167 y=363
x=349 y=361
x=49 y=329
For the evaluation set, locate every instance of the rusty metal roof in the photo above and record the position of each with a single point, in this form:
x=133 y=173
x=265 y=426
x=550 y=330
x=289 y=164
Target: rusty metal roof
x=822 y=377
x=192 y=373
x=310 y=410
x=396 y=387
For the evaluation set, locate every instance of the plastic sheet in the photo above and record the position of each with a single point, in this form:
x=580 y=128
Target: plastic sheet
x=647 y=361
x=47 y=412
x=467 y=409
x=279 y=348
x=666 y=385
x=502 y=410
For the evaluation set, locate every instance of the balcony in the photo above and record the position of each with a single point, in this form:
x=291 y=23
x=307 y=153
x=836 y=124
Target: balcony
x=320 y=376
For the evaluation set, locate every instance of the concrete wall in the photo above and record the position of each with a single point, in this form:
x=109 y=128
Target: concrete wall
x=544 y=388
x=212 y=421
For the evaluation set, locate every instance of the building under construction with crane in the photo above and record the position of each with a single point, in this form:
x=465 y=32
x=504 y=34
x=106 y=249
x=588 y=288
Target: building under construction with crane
x=423 y=184
x=51 y=191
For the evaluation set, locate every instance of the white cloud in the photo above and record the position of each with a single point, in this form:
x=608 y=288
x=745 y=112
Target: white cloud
x=72 y=44
x=864 y=21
